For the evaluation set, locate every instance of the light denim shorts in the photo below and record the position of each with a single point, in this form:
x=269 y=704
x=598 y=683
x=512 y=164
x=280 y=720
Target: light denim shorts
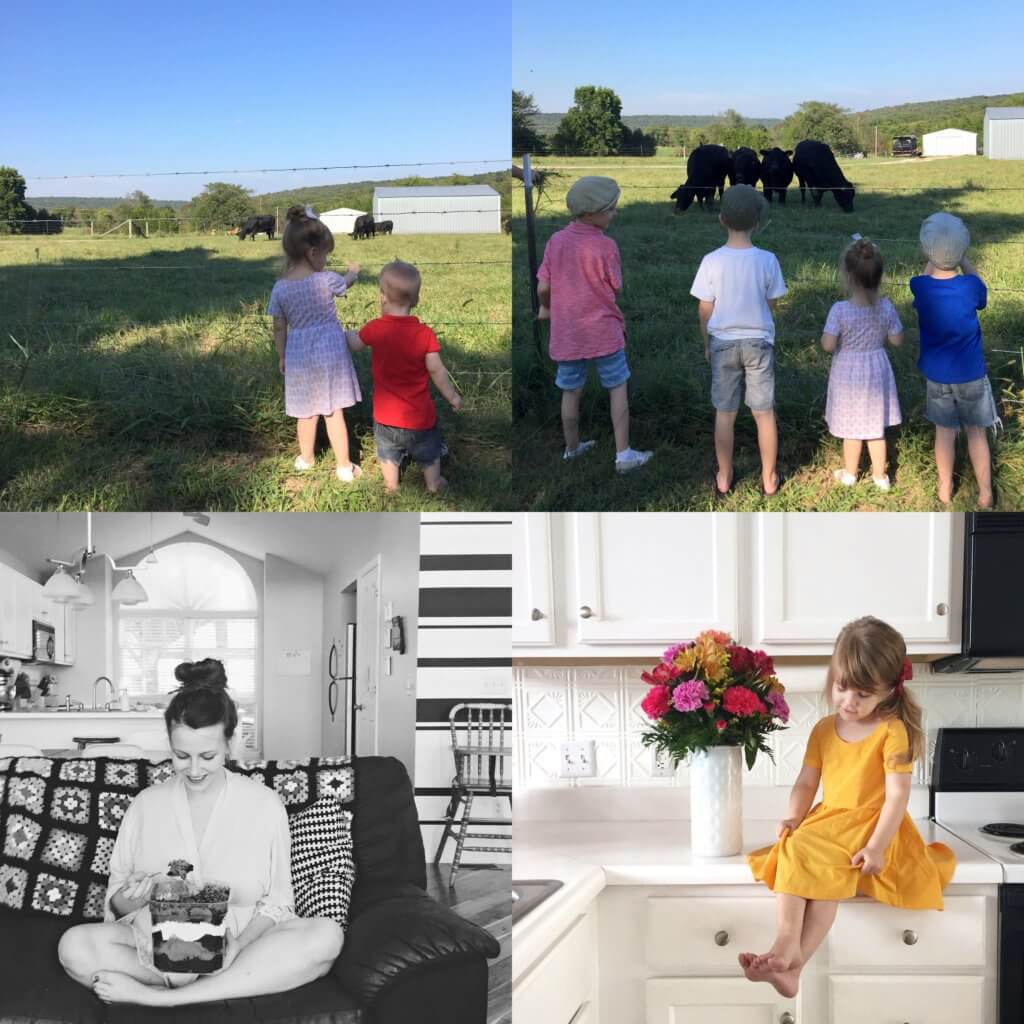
x=961 y=405
x=612 y=370
x=738 y=362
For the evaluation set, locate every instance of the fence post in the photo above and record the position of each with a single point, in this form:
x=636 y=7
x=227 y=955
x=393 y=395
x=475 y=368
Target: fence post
x=531 y=247
x=277 y=220
x=147 y=229
x=92 y=228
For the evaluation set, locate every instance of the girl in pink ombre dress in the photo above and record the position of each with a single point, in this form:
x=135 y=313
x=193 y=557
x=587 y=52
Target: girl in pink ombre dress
x=862 y=400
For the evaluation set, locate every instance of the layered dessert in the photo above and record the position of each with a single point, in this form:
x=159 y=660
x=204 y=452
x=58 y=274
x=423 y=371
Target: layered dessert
x=188 y=923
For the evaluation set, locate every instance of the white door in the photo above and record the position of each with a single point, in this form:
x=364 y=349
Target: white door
x=339 y=681
x=654 y=579
x=367 y=659
x=70 y=634
x=816 y=571
x=533 y=612
x=8 y=610
x=718 y=1001
x=857 y=999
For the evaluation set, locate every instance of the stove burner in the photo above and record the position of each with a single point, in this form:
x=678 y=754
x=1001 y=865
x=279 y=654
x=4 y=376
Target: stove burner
x=1005 y=829
x=1018 y=848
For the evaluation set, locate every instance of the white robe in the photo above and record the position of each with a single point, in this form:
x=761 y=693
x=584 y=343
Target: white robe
x=246 y=845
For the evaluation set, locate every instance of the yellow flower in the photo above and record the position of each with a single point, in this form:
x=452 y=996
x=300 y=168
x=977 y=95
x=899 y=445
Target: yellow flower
x=687 y=660
x=774 y=684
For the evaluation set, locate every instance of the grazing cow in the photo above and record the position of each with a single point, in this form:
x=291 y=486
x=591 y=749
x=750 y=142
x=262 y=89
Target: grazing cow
x=705 y=171
x=258 y=225
x=776 y=172
x=363 y=226
x=746 y=168
x=816 y=168
x=383 y=227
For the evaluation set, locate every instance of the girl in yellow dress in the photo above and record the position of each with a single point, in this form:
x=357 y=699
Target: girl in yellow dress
x=859 y=840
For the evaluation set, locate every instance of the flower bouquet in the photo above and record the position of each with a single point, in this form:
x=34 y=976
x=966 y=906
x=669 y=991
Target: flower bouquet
x=712 y=693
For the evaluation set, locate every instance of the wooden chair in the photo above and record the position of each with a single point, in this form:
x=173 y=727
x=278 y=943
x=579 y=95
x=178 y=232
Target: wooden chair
x=481 y=735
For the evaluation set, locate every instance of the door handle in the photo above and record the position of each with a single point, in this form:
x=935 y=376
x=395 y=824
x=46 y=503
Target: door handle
x=586 y=611
x=358 y=707
x=536 y=615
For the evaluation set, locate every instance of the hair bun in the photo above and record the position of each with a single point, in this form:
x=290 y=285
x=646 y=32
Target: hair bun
x=206 y=674
x=296 y=213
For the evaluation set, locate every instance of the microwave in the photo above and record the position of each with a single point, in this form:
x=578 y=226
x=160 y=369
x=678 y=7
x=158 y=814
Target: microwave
x=44 y=643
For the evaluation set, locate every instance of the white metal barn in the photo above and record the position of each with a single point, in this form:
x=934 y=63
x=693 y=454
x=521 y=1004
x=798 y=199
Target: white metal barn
x=439 y=209
x=342 y=220
x=950 y=142
x=1004 y=133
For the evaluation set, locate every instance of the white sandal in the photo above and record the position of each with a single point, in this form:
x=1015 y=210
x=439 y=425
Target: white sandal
x=846 y=479
x=346 y=474
x=301 y=465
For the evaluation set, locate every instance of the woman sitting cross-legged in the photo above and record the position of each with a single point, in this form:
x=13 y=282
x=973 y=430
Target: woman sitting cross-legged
x=233 y=831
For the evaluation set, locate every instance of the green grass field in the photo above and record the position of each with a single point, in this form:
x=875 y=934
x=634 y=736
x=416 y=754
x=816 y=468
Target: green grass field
x=141 y=374
x=670 y=388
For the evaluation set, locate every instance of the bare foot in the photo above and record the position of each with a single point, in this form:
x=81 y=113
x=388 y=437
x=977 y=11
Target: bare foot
x=748 y=961
x=439 y=486
x=786 y=983
x=781 y=957
x=985 y=499
x=115 y=987
x=945 y=492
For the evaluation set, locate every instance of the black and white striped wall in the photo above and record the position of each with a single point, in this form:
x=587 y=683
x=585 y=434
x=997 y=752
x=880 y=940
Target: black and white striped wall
x=464 y=638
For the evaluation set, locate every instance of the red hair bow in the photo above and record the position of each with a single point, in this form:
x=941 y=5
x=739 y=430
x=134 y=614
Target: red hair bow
x=906 y=672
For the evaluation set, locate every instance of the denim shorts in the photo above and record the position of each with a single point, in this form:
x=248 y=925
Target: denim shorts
x=393 y=443
x=735 y=362
x=611 y=369
x=961 y=405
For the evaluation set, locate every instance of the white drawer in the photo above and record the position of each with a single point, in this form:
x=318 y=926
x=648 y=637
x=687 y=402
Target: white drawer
x=693 y=936
x=716 y=1001
x=555 y=989
x=869 y=934
x=907 y=1000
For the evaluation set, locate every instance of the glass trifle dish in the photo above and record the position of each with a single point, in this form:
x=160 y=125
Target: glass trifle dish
x=188 y=922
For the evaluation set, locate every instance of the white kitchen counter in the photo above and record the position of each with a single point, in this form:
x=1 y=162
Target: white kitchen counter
x=6 y=716
x=53 y=730
x=589 y=855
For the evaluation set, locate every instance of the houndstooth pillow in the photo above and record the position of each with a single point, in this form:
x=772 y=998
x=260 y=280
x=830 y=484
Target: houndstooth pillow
x=323 y=863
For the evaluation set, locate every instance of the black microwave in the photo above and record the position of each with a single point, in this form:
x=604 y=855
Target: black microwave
x=44 y=643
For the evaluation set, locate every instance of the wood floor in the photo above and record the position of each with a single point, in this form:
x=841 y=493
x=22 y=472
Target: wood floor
x=483 y=894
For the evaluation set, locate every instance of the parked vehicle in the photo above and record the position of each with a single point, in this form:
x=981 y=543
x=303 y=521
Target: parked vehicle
x=905 y=145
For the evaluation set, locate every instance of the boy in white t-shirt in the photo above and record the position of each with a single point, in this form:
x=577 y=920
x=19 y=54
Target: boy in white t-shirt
x=738 y=286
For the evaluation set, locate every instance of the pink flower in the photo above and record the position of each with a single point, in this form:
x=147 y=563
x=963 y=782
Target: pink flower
x=657 y=702
x=764 y=664
x=709 y=705
x=741 y=660
x=780 y=709
x=670 y=655
x=661 y=673
x=689 y=695
x=743 y=702
x=720 y=724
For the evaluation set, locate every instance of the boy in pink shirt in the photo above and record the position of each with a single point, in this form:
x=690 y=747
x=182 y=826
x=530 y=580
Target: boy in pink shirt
x=578 y=282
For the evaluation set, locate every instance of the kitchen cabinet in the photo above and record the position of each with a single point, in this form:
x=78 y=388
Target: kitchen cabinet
x=561 y=988
x=69 y=638
x=533 y=612
x=17 y=606
x=817 y=571
x=654 y=579
x=717 y=1001
x=915 y=1000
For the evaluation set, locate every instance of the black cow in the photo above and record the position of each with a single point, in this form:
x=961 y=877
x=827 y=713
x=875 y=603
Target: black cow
x=746 y=168
x=383 y=227
x=363 y=226
x=706 y=170
x=255 y=225
x=816 y=169
x=776 y=172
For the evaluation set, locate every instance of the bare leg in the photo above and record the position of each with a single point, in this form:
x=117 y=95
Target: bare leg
x=818 y=919
x=571 y=418
x=337 y=433
x=876 y=449
x=290 y=954
x=307 y=437
x=945 y=454
x=785 y=951
x=433 y=479
x=981 y=461
x=725 y=424
x=619 y=400
x=768 y=443
x=389 y=470
x=851 y=455
x=88 y=948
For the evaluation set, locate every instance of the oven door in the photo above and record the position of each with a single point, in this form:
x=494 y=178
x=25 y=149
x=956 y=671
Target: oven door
x=1011 y=954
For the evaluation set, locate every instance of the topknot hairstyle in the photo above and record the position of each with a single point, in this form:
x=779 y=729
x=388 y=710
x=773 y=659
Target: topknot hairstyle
x=862 y=264
x=302 y=233
x=202 y=699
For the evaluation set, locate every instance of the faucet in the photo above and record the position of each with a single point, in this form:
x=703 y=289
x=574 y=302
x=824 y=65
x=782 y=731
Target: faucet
x=101 y=679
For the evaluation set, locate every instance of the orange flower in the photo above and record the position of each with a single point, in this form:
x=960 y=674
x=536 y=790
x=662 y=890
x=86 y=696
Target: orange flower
x=715 y=636
x=775 y=685
x=686 y=660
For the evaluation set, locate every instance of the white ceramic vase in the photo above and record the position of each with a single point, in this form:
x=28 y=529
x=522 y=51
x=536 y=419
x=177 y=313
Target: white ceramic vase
x=716 y=802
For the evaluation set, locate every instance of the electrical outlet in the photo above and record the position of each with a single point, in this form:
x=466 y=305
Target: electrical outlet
x=661 y=765
x=576 y=760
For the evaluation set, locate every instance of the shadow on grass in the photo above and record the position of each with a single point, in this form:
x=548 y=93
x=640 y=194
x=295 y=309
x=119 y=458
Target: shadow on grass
x=670 y=386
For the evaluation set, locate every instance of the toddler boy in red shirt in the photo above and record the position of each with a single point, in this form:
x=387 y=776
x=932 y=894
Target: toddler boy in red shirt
x=405 y=358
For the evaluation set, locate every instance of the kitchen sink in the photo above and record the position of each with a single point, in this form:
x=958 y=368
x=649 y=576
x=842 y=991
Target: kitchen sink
x=528 y=894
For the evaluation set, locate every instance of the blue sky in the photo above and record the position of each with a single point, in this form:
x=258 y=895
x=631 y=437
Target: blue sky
x=763 y=59
x=105 y=87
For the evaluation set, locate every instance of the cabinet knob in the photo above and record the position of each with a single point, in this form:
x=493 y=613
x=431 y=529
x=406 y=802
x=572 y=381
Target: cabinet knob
x=910 y=937
x=787 y=1018
x=536 y=615
x=586 y=611
x=942 y=609
x=721 y=938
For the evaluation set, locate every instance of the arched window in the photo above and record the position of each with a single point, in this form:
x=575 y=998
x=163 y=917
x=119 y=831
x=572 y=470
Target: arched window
x=201 y=604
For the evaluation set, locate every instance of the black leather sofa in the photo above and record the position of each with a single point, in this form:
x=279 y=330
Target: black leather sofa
x=406 y=959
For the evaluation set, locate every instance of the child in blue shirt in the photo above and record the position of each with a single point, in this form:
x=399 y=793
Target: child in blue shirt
x=951 y=358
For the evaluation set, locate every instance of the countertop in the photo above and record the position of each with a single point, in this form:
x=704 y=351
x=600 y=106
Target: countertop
x=55 y=713
x=588 y=855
